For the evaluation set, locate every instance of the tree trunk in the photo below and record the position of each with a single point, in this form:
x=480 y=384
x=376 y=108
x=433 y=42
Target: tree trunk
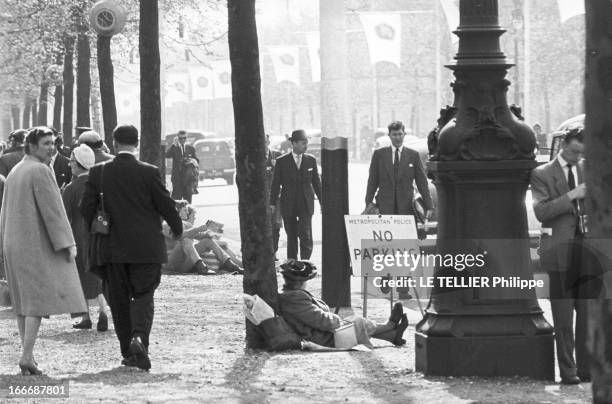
x=83 y=79
x=336 y=280
x=68 y=89
x=598 y=125
x=34 y=109
x=150 y=101
x=107 y=88
x=42 y=103
x=253 y=198
x=58 y=99
x=15 y=112
x=25 y=116
x=6 y=122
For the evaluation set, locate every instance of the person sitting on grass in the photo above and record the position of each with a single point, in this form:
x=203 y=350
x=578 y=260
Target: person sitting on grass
x=312 y=320
x=184 y=255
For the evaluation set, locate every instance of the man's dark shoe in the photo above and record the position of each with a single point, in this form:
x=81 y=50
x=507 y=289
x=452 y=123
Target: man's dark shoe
x=102 y=322
x=130 y=361
x=201 y=268
x=396 y=313
x=570 y=380
x=83 y=325
x=139 y=352
x=399 y=331
x=232 y=268
x=584 y=378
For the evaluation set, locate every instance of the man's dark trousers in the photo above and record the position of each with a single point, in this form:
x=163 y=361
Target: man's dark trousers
x=566 y=295
x=181 y=191
x=298 y=224
x=129 y=289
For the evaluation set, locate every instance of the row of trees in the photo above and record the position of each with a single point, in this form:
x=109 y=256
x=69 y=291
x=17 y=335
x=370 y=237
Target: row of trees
x=37 y=34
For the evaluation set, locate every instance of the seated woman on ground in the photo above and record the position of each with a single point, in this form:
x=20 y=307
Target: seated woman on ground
x=184 y=254
x=311 y=318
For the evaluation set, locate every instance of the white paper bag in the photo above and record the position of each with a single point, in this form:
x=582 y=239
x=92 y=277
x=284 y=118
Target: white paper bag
x=256 y=309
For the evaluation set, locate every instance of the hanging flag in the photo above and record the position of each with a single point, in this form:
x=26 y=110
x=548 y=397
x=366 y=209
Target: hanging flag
x=384 y=36
x=177 y=88
x=286 y=62
x=222 y=79
x=570 y=8
x=201 y=83
x=451 y=12
x=313 y=40
x=127 y=100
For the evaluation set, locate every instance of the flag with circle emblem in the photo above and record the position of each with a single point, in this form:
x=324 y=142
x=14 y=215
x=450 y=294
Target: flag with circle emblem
x=222 y=79
x=201 y=81
x=177 y=88
x=286 y=62
x=384 y=35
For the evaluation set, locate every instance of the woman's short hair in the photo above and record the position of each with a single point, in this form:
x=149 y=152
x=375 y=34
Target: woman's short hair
x=35 y=134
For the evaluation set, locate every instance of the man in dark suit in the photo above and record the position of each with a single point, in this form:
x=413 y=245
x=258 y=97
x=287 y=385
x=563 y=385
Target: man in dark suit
x=275 y=215
x=179 y=152
x=60 y=165
x=136 y=199
x=393 y=172
x=14 y=153
x=558 y=190
x=296 y=177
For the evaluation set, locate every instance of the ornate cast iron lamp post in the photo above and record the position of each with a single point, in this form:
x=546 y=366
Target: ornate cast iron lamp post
x=481 y=167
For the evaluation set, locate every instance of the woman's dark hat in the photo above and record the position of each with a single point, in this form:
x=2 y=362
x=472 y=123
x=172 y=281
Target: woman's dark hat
x=299 y=270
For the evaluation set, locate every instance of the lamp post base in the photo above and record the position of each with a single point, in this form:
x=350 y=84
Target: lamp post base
x=528 y=356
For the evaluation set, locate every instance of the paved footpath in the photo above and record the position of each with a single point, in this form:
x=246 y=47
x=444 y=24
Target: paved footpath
x=198 y=355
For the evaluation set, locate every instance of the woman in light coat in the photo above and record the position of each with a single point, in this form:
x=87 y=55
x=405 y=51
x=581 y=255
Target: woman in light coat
x=37 y=247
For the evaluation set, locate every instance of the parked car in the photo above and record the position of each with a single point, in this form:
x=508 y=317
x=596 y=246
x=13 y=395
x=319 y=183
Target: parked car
x=314 y=143
x=216 y=159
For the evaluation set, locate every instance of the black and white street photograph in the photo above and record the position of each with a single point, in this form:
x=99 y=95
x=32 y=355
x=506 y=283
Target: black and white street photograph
x=306 y=201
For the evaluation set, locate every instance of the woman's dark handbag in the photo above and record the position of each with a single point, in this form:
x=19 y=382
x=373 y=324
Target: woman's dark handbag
x=279 y=335
x=101 y=222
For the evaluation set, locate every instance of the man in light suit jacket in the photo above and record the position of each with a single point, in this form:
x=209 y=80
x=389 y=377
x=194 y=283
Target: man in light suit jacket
x=558 y=190
x=136 y=199
x=393 y=172
x=296 y=178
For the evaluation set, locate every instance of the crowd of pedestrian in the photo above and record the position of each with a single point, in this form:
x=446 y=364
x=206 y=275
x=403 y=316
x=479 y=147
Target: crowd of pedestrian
x=78 y=224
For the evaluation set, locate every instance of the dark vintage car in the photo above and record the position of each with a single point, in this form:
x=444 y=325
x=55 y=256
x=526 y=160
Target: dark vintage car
x=216 y=159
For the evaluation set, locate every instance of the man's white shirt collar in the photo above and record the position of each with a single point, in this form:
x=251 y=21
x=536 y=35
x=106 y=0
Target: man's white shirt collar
x=393 y=148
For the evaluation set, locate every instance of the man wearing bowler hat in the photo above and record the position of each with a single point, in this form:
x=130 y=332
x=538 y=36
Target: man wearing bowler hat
x=296 y=178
